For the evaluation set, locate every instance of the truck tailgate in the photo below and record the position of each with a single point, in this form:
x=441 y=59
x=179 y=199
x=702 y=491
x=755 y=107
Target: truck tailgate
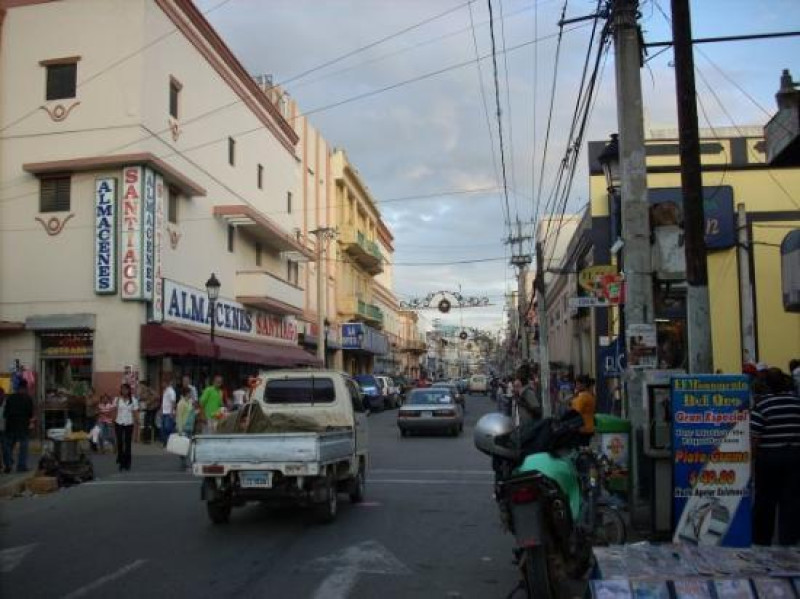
x=273 y=448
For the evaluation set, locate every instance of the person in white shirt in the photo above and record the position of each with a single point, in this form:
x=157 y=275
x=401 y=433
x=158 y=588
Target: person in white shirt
x=239 y=396
x=126 y=411
x=169 y=400
x=186 y=383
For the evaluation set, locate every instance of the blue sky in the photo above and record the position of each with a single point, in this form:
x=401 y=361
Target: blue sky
x=432 y=136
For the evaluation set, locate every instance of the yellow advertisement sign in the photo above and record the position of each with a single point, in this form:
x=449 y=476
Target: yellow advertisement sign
x=589 y=276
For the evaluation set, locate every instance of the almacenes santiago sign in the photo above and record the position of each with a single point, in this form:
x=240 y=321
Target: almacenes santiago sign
x=105 y=236
x=189 y=306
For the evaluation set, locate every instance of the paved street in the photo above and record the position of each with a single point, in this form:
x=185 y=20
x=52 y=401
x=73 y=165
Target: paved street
x=427 y=529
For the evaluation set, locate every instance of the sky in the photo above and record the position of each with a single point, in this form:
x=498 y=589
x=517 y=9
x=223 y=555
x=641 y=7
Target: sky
x=436 y=137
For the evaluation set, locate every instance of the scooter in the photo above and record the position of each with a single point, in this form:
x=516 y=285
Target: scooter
x=549 y=492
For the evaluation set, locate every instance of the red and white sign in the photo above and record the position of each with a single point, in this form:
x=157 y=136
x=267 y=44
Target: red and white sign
x=131 y=234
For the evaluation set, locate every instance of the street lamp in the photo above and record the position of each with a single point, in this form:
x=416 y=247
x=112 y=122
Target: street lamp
x=325 y=342
x=212 y=289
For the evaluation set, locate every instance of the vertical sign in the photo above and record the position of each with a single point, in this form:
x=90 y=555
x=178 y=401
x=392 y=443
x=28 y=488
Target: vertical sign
x=158 y=284
x=105 y=236
x=711 y=459
x=131 y=234
x=148 y=234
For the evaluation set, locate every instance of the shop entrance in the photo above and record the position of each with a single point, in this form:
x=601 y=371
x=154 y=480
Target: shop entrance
x=66 y=366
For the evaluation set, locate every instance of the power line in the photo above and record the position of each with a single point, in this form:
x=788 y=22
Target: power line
x=497 y=103
x=510 y=118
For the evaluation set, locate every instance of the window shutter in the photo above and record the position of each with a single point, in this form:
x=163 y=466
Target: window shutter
x=55 y=194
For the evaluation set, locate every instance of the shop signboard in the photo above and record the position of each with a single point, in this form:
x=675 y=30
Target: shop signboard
x=711 y=459
x=350 y=335
x=158 y=282
x=105 y=236
x=189 y=306
x=131 y=234
x=357 y=335
x=148 y=234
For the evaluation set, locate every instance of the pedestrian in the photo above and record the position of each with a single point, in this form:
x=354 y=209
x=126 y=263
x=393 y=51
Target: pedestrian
x=211 y=403
x=18 y=414
x=529 y=406
x=794 y=370
x=148 y=402
x=105 y=410
x=186 y=382
x=185 y=418
x=585 y=404
x=239 y=395
x=126 y=411
x=168 y=401
x=775 y=429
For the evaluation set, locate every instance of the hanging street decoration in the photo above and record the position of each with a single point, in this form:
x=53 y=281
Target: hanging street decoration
x=444 y=301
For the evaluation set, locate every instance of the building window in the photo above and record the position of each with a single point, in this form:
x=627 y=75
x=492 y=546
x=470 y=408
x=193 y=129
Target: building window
x=258 y=254
x=61 y=78
x=231 y=151
x=289 y=202
x=172 y=205
x=260 y=176
x=292 y=272
x=54 y=194
x=231 y=237
x=174 y=93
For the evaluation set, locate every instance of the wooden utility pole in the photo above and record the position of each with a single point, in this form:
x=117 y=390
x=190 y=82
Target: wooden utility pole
x=697 y=301
x=544 y=324
x=323 y=235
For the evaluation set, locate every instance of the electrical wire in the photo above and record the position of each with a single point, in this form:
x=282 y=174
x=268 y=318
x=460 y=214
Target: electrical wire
x=510 y=118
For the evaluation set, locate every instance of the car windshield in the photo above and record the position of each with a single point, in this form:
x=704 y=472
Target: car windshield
x=366 y=380
x=430 y=397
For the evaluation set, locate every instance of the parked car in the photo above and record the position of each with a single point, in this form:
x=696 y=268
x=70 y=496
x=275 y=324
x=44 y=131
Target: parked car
x=318 y=450
x=373 y=395
x=478 y=383
x=433 y=409
x=460 y=398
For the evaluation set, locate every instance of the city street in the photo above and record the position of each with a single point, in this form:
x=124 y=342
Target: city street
x=428 y=528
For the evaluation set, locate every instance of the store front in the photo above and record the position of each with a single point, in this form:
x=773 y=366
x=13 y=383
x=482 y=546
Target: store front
x=362 y=347
x=308 y=336
x=66 y=367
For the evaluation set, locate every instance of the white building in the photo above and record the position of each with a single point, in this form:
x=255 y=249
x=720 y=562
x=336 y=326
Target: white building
x=138 y=157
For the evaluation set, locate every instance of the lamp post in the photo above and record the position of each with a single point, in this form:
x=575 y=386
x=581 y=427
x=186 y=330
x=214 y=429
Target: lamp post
x=327 y=328
x=212 y=290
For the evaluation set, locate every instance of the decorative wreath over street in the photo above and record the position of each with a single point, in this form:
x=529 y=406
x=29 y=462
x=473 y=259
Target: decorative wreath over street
x=444 y=301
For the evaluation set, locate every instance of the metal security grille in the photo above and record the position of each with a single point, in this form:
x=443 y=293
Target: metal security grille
x=55 y=194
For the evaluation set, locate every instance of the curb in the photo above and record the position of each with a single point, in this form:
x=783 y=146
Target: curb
x=16 y=485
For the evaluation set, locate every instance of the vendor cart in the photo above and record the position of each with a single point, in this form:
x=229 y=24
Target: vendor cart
x=66 y=458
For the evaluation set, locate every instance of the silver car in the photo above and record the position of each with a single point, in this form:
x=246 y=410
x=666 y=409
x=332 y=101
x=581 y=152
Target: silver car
x=433 y=409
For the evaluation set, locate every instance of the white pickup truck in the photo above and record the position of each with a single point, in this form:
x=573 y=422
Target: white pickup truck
x=302 y=438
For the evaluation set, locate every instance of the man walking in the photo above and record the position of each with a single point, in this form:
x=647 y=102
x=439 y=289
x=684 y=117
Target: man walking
x=18 y=415
x=211 y=403
x=169 y=399
x=775 y=428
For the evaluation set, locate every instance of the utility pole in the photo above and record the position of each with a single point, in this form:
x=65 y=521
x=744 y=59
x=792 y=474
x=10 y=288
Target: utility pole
x=635 y=208
x=747 y=311
x=544 y=326
x=701 y=358
x=323 y=235
x=521 y=260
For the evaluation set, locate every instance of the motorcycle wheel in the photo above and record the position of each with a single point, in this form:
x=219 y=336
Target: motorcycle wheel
x=537 y=576
x=611 y=528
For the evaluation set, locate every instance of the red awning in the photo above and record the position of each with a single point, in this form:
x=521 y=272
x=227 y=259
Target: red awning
x=160 y=340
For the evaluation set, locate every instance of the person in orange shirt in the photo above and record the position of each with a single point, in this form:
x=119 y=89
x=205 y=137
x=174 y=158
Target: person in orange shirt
x=585 y=403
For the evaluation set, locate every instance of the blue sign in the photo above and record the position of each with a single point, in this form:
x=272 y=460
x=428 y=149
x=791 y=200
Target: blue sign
x=357 y=335
x=720 y=229
x=711 y=460
x=350 y=332
x=612 y=358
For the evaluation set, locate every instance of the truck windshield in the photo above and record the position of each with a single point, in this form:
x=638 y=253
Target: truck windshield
x=308 y=390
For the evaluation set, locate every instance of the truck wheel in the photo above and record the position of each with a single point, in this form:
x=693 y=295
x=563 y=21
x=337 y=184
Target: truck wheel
x=326 y=511
x=219 y=511
x=358 y=488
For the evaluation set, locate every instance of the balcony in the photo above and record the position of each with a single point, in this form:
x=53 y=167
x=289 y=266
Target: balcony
x=366 y=253
x=415 y=347
x=354 y=308
x=264 y=290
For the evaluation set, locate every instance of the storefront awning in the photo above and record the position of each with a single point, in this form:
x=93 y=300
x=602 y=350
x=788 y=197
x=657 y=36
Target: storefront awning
x=160 y=340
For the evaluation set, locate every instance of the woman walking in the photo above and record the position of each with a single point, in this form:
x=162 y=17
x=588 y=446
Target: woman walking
x=126 y=411
x=186 y=417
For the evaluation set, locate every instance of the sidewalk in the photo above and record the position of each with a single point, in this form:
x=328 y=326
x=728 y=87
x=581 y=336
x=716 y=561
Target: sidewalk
x=14 y=483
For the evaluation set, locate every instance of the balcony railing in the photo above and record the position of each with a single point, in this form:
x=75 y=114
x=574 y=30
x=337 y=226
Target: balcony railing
x=263 y=289
x=365 y=251
x=362 y=310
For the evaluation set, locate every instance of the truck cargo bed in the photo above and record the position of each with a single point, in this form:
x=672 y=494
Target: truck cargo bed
x=261 y=448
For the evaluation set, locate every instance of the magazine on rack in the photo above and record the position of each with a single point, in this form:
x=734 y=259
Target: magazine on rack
x=650 y=589
x=611 y=589
x=692 y=588
x=773 y=588
x=734 y=588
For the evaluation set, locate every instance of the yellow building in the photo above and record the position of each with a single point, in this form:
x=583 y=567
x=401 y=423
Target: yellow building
x=735 y=179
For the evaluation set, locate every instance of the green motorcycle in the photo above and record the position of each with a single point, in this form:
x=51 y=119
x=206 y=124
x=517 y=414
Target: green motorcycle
x=550 y=494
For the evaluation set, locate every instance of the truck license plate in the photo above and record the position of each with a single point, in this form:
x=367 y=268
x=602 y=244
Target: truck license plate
x=255 y=480
x=427 y=414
